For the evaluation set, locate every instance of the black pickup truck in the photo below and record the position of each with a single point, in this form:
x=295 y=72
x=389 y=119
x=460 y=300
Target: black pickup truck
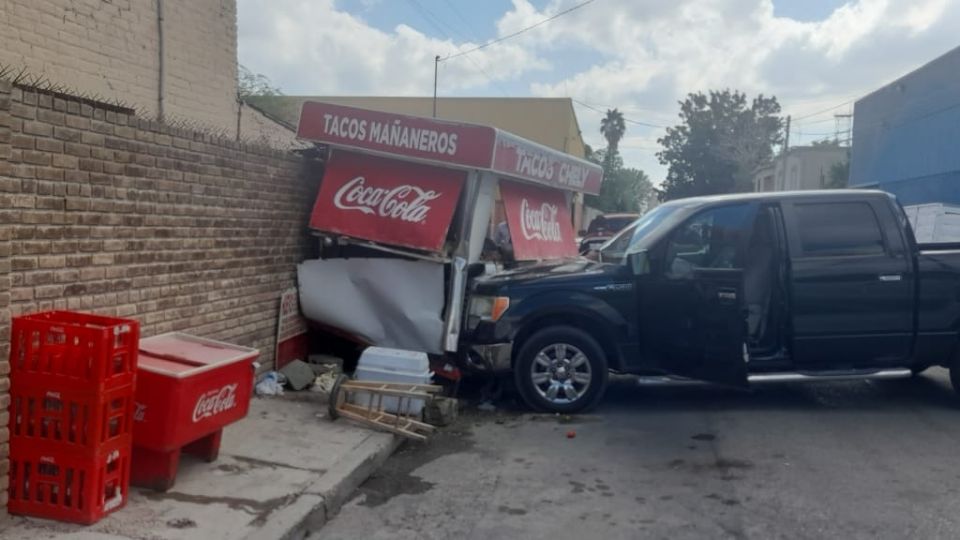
x=728 y=289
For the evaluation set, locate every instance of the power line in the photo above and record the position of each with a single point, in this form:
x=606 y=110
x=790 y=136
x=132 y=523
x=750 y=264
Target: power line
x=821 y=121
x=437 y=24
x=823 y=134
x=818 y=113
x=518 y=32
x=466 y=24
x=889 y=125
x=625 y=119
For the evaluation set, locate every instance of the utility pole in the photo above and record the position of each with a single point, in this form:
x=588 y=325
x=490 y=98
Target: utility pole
x=436 y=65
x=845 y=119
x=783 y=154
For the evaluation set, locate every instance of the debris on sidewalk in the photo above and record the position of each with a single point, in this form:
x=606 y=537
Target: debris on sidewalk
x=270 y=385
x=324 y=363
x=441 y=411
x=487 y=406
x=407 y=399
x=326 y=368
x=299 y=374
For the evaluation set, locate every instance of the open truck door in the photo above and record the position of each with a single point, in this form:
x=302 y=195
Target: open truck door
x=692 y=313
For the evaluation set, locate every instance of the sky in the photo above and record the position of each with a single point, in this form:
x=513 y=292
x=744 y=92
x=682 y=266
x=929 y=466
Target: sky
x=640 y=56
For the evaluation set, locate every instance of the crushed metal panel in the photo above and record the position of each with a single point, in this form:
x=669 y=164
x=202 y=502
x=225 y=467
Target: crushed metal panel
x=387 y=302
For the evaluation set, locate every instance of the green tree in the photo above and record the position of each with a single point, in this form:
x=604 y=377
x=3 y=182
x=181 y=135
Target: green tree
x=839 y=173
x=613 y=127
x=624 y=189
x=721 y=141
x=833 y=143
x=839 y=176
x=255 y=84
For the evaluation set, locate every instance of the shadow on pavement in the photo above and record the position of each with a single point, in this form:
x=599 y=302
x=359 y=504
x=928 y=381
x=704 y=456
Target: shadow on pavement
x=925 y=391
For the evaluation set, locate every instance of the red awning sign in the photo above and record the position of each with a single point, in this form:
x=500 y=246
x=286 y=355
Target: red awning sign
x=387 y=200
x=410 y=136
x=447 y=143
x=539 y=222
x=518 y=157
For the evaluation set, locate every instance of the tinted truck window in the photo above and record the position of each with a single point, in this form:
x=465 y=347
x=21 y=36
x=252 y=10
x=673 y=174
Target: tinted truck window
x=837 y=229
x=708 y=240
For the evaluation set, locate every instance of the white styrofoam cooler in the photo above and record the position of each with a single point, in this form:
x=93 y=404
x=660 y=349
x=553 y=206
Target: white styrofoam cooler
x=393 y=366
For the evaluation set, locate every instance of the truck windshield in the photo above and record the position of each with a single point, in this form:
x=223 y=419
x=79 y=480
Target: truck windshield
x=633 y=237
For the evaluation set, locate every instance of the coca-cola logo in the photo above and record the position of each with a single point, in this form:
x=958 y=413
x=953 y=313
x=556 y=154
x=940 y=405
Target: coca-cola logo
x=540 y=223
x=215 y=402
x=139 y=412
x=405 y=203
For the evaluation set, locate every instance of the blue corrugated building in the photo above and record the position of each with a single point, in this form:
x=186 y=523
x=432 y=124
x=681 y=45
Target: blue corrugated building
x=906 y=135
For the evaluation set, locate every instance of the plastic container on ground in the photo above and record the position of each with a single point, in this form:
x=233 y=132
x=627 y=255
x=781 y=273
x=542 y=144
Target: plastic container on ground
x=72 y=419
x=50 y=481
x=188 y=389
x=393 y=366
x=70 y=350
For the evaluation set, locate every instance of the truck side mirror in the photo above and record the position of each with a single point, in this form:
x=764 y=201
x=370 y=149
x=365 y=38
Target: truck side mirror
x=639 y=263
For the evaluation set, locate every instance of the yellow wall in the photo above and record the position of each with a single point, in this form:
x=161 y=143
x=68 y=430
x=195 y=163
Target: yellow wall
x=548 y=121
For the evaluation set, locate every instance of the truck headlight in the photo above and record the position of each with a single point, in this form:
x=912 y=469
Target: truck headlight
x=489 y=308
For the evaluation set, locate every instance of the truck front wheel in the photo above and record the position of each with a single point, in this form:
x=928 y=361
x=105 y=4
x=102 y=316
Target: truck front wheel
x=561 y=369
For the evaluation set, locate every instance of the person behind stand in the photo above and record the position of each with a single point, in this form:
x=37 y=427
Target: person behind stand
x=501 y=238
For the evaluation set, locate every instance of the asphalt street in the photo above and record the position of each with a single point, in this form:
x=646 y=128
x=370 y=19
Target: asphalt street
x=848 y=460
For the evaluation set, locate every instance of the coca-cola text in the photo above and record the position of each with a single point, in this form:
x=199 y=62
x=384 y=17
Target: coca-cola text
x=405 y=203
x=215 y=402
x=540 y=223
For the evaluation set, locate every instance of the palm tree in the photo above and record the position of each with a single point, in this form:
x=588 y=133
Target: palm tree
x=613 y=127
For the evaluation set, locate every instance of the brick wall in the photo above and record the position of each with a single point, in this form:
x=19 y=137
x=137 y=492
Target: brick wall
x=109 y=213
x=110 y=48
x=258 y=128
x=182 y=230
x=5 y=236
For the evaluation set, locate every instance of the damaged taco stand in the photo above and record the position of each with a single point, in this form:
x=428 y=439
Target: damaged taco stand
x=404 y=208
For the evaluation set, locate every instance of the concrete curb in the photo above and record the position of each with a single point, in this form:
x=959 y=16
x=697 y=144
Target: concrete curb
x=339 y=483
x=322 y=499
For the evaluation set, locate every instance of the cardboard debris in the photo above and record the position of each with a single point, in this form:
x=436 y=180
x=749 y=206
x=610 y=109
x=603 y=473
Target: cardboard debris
x=324 y=383
x=322 y=363
x=299 y=374
x=441 y=411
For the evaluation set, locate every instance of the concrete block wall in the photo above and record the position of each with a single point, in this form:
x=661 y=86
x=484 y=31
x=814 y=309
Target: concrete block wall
x=111 y=48
x=5 y=248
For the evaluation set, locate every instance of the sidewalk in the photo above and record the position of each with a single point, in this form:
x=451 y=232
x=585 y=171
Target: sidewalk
x=281 y=472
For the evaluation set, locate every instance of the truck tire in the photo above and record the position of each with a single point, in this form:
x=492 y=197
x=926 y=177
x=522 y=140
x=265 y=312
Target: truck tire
x=561 y=369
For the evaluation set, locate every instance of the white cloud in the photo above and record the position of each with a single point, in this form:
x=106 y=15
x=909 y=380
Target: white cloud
x=311 y=47
x=652 y=53
x=642 y=55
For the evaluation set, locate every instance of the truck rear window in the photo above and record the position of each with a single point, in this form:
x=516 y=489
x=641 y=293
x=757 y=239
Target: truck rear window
x=837 y=229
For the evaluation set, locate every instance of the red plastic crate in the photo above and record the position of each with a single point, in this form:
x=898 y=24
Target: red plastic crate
x=69 y=350
x=73 y=420
x=49 y=482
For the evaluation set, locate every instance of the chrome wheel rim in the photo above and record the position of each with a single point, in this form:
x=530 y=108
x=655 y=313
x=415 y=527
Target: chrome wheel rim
x=561 y=373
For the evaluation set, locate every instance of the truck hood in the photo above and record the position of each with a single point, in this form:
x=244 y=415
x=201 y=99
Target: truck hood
x=549 y=274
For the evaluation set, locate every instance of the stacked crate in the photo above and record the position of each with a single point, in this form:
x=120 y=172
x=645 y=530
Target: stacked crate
x=71 y=414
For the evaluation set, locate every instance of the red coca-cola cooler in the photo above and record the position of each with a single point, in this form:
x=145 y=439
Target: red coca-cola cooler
x=188 y=389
